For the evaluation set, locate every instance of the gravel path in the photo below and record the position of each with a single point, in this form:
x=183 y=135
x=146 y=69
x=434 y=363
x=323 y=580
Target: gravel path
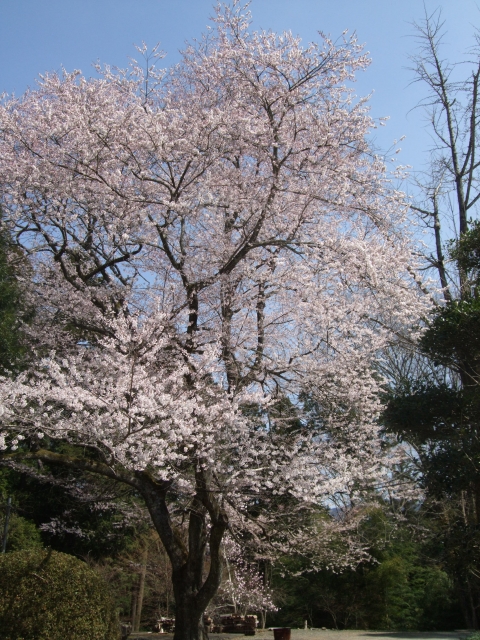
x=328 y=634
x=331 y=634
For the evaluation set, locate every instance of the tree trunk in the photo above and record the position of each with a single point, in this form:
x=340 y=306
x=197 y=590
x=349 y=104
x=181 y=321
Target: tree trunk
x=134 y=607
x=472 y=607
x=263 y=619
x=141 y=591
x=192 y=590
x=188 y=613
x=188 y=624
x=467 y=605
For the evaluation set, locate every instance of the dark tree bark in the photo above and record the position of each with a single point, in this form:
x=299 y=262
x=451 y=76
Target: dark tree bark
x=192 y=591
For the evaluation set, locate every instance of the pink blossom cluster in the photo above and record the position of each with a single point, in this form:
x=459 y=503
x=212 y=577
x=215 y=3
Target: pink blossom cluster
x=205 y=241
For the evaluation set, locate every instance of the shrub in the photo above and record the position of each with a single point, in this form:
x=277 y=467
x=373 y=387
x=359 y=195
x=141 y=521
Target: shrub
x=23 y=534
x=46 y=595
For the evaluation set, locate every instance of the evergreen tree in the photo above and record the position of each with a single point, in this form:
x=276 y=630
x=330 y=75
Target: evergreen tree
x=442 y=422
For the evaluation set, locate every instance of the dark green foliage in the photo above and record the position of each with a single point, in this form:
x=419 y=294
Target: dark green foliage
x=453 y=336
x=22 y=534
x=442 y=423
x=45 y=595
x=466 y=252
x=55 y=494
x=401 y=588
x=395 y=594
x=419 y=411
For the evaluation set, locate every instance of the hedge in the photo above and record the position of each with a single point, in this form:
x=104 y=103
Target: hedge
x=46 y=595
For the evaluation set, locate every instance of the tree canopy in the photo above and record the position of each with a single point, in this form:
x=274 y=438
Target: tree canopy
x=207 y=241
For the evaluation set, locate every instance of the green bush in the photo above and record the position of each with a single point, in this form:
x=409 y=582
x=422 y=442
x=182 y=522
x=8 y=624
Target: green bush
x=23 y=534
x=45 y=595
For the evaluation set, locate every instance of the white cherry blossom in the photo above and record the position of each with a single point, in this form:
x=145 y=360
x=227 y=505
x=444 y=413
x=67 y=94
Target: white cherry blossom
x=205 y=247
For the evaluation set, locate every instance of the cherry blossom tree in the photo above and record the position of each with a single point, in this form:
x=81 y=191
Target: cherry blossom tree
x=206 y=242
x=244 y=589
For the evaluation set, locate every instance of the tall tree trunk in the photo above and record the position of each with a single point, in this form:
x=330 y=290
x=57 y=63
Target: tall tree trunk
x=134 y=607
x=141 y=591
x=467 y=603
x=188 y=613
x=192 y=590
x=471 y=603
x=263 y=618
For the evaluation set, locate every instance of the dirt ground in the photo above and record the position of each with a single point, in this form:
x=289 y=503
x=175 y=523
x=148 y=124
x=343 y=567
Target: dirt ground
x=328 y=634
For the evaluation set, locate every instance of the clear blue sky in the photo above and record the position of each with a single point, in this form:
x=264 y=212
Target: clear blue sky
x=43 y=35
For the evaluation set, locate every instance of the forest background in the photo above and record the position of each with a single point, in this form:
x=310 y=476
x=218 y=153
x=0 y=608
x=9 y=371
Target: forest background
x=423 y=554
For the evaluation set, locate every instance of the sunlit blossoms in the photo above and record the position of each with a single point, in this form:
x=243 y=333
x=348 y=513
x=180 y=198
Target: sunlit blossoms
x=207 y=243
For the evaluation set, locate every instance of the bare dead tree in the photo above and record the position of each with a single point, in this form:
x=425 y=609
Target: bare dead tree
x=450 y=188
